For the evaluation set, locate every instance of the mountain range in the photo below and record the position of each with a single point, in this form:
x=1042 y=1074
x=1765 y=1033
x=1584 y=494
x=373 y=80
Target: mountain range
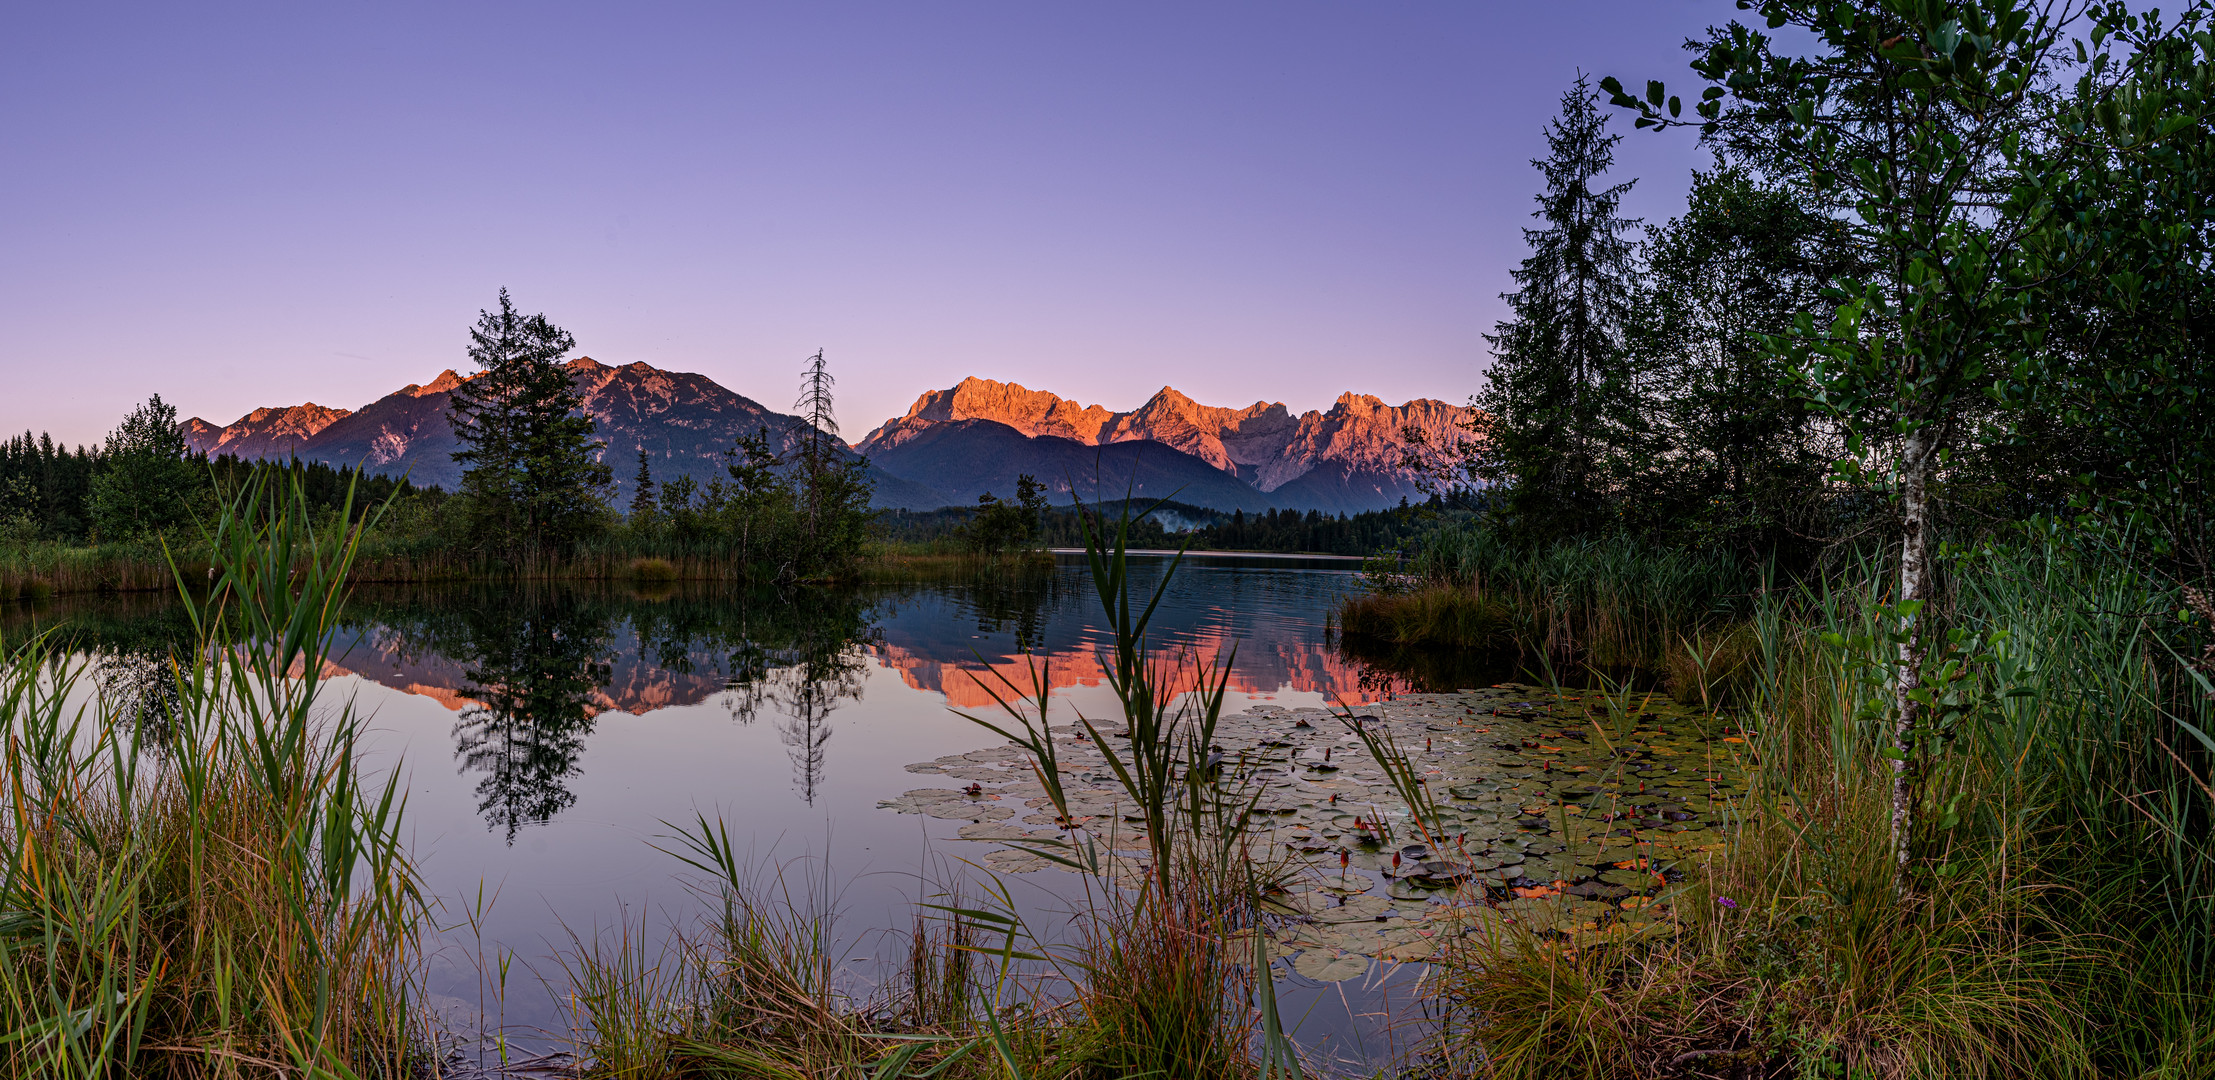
x=951 y=446
x=1351 y=457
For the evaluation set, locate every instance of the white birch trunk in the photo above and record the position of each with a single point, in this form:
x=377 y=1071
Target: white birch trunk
x=1907 y=676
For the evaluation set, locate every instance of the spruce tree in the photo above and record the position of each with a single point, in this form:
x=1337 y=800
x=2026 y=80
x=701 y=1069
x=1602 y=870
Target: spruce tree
x=532 y=482
x=834 y=488
x=642 y=493
x=1560 y=404
x=814 y=406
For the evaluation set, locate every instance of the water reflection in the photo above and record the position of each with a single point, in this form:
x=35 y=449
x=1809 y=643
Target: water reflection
x=581 y=718
x=526 y=670
x=529 y=668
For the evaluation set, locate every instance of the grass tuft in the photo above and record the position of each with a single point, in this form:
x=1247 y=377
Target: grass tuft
x=653 y=569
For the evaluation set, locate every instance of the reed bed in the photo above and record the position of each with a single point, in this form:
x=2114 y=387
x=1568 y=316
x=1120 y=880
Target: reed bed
x=196 y=882
x=1611 y=603
x=907 y=564
x=35 y=573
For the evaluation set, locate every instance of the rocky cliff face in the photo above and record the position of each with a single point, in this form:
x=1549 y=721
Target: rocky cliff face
x=264 y=433
x=1359 y=439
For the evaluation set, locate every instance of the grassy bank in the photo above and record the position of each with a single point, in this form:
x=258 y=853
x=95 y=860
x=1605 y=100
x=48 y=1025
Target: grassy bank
x=1614 y=604
x=36 y=572
x=2062 y=919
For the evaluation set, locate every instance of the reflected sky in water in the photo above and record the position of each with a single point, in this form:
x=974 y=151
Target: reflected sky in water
x=552 y=737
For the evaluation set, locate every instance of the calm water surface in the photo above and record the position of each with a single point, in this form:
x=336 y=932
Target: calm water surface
x=551 y=736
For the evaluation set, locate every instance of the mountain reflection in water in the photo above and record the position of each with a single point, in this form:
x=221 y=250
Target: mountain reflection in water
x=527 y=669
x=583 y=718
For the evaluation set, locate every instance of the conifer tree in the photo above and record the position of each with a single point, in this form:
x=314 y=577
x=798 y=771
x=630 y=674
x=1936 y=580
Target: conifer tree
x=642 y=493
x=814 y=407
x=533 y=481
x=1560 y=402
x=834 y=489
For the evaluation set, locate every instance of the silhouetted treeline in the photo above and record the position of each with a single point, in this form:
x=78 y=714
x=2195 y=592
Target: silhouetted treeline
x=1173 y=524
x=1368 y=533
x=45 y=486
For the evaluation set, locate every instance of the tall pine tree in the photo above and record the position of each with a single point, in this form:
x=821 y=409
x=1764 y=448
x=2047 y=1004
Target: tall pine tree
x=642 y=493
x=1560 y=405
x=532 y=482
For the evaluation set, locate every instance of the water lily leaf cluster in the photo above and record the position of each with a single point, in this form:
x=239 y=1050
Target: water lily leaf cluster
x=1574 y=814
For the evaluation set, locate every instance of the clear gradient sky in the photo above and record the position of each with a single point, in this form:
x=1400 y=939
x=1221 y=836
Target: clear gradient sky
x=237 y=206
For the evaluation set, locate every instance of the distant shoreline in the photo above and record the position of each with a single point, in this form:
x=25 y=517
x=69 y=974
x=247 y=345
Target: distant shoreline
x=1223 y=554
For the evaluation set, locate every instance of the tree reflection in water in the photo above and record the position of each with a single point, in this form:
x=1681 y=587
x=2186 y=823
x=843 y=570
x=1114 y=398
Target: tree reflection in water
x=534 y=660
x=801 y=658
x=532 y=665
x=542 y=661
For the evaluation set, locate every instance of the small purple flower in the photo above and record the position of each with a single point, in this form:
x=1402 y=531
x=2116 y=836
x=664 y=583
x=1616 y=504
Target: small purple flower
x=1727 y=902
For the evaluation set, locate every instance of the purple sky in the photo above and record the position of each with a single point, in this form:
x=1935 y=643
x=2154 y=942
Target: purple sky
x=268 y=205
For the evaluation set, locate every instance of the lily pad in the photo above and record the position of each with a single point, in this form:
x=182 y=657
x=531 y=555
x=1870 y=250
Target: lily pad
x=1330 y=965
x=1357 y=909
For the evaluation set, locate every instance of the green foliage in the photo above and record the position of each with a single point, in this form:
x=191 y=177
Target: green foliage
x=642 y=495
x=145 y=485
x=532 y=484
x=2110 y=415
x=19 y=511
x=1001 y=526
x=1936 y=132
x=1747 y=455
x=806 y=517
x=774 y=519
x=1370 y=532
x=1610 y=602
x=58 y=479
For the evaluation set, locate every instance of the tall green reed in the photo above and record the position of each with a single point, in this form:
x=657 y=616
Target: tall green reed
x=226 y=896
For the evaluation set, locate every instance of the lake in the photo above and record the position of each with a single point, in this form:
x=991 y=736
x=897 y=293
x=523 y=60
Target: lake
x=551 y=736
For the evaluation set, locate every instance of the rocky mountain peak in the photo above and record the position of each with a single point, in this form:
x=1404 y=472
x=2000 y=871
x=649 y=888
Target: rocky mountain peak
x=1263 y=444
x=269 y=431
x=447 y=380
x=1032 y=412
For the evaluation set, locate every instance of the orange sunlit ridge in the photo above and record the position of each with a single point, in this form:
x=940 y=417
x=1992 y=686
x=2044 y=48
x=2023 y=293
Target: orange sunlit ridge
x=1261 y=669
x=637 y=687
